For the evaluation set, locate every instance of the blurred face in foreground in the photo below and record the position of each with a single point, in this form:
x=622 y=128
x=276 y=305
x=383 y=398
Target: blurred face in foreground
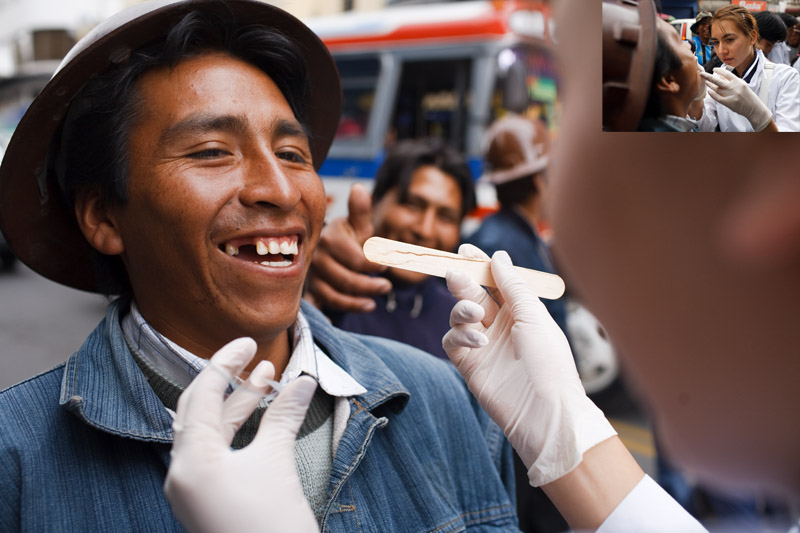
x=695 y=274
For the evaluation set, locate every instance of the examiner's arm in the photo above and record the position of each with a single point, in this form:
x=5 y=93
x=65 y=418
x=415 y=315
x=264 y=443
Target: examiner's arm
x=518 y=364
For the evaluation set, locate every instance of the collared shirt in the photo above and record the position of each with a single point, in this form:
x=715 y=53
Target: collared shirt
x=182 y=366
x=88 y=442
x=750 y=71
x=680 y=123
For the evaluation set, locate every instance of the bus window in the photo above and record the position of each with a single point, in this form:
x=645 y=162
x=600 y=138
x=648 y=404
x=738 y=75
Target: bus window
x=432 y=100
x=359 y=78
x=526 y=84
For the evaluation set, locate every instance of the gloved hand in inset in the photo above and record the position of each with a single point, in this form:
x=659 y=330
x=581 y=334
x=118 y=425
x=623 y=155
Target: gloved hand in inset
x=517 y=362
x=214 y=488
x=732 y=92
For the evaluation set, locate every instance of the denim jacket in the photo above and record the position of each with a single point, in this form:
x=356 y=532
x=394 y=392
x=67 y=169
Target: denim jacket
x=85 y=446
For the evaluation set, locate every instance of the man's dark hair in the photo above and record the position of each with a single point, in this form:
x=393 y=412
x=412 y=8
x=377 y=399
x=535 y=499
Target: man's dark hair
x=770 y=26
x=666 y=61
x=405 y=157
x=788 y=20
x=94 y=141
x=92 y=146
x=516 y=191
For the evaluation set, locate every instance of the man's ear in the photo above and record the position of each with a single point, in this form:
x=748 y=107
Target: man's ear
x=667 y=84
x=98 y=224
x=762 y=227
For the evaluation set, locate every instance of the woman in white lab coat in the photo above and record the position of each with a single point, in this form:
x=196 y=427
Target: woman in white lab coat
x=774 y=101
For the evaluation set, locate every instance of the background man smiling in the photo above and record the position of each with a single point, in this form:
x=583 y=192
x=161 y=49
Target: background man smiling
x=182 y=175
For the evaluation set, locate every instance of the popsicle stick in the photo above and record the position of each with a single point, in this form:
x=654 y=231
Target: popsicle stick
x=437 y=263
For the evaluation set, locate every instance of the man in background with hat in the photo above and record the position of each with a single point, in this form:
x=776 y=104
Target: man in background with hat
x=701 y=33
x=515 y=156
x=172 y=160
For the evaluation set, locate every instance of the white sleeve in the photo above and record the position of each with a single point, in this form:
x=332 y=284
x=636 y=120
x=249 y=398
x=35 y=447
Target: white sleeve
x=708 y=122
x=787 y=102
x=648 y=508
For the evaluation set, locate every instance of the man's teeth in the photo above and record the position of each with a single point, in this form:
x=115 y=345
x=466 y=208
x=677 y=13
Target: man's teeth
x=269 y=247
x=277 y=263
x=274 y=247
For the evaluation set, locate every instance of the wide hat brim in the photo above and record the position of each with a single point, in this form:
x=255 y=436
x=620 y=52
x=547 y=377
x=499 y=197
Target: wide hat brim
x=701 y=17
x=629 y=51
x=34 y=219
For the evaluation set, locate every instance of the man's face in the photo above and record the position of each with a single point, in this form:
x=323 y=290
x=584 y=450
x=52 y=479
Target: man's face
x=225 y=207
x=793 y=35
x=430 y=216
x=766 y=46
x=704 y=29
x=687 y=74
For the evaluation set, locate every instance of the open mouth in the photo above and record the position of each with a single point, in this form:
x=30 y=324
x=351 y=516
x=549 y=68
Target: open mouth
x=273 y=252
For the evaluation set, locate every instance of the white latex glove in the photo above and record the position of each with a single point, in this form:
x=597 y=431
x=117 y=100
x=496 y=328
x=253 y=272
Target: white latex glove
x=704 y=90
x=732 y=92
x=213 y=488
x=517 y=362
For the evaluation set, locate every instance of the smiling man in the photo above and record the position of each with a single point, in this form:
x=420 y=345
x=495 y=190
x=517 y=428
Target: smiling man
x=180 y=174
x=422 y=192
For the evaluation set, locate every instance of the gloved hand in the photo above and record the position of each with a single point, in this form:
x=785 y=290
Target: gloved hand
x=213 y=488
x=732 y=92
x=704 y=90
x=518 y=364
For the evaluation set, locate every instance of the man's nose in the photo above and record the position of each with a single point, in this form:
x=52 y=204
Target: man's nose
x=267 y=182
x=425 y=225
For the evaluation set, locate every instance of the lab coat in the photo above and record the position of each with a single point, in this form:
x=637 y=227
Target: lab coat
x=783 y=102
x=648 y=508
x=780 y=53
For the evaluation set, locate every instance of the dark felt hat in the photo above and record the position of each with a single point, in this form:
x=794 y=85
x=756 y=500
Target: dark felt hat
x=35 y=220
x=700 y=16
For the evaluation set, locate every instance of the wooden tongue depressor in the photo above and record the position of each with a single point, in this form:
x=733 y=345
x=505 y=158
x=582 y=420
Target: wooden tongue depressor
x=437 y=263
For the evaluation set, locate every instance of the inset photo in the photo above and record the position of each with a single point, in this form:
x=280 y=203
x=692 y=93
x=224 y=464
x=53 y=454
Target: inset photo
x=707 y=66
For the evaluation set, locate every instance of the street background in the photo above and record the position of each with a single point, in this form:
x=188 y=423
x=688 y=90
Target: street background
x=41 y=323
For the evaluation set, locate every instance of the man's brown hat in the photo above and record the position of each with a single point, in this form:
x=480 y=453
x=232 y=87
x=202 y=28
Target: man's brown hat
x=629 y=51
x=700 y=16
x=35 y=220
x=515 y=147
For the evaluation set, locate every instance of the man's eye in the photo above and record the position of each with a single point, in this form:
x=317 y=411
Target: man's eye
x=292 y=157
x=211 y=153
x=414 y=205
x=449 y=218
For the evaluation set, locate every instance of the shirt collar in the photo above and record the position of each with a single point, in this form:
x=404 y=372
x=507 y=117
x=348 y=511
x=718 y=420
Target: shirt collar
x=182 y=366
x=680 y=123
x=751 y=69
